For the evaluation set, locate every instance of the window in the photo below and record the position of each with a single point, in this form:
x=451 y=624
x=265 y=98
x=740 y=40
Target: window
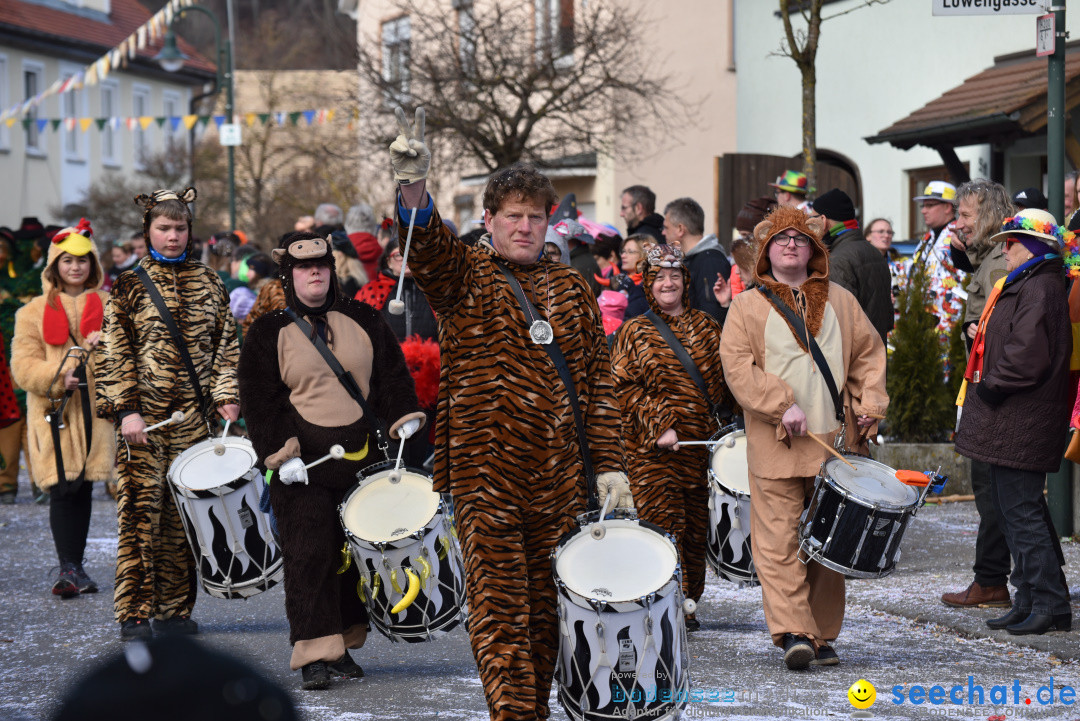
x=32 y=85
x=110 y=154
x=140 y=107
x=395 y=51
x=72 y=108
x=5 y=135
x=554 y=37
x=466 y=36
x=171 y=106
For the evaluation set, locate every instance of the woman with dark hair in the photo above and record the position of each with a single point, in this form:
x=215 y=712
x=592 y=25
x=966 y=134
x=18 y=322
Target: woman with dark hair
x=67 y=456
x=296 y=410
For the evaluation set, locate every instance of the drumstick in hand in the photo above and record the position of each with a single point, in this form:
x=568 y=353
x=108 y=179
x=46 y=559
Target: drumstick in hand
x=831 y=450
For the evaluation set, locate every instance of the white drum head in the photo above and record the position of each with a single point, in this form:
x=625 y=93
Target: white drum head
x=729 y=464
x=871 y=481
x=199 y=468
x=629 y=562
x=380 y=511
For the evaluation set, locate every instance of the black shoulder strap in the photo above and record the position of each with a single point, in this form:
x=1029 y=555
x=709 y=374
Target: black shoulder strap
x=715 y=409
x=556 y=354
x=815 y=350
x=178 y=339
x=345 y=378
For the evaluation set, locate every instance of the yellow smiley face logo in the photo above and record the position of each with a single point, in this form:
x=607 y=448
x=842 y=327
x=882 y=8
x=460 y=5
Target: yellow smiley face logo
x=862 y=694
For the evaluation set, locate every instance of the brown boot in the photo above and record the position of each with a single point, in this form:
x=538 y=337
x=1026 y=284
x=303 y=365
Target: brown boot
x=976 y=596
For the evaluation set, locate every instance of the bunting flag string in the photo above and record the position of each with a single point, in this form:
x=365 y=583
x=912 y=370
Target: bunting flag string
x=313 y=117
x=118 y=57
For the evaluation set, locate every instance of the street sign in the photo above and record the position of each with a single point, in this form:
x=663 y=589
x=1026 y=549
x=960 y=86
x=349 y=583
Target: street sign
x=991 y=7
x=229 y=134
x=1044 y=35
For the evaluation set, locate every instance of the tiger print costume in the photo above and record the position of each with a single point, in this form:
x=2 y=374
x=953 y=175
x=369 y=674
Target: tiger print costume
x=671 y=488
x=507 y=449
x=140 y=370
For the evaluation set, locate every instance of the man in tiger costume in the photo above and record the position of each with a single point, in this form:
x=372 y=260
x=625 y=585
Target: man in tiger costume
x=143 y=380
x=507 y=448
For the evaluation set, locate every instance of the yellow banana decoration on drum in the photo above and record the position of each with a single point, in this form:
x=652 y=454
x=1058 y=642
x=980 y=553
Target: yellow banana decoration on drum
x=346 y=558
x=362 y=584
x=425 y=569
x=410 y=595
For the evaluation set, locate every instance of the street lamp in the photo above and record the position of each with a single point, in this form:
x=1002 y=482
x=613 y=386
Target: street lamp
x=172 y=59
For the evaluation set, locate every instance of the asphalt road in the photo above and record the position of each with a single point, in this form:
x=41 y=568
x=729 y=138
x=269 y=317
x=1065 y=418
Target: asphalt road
x=897 y=636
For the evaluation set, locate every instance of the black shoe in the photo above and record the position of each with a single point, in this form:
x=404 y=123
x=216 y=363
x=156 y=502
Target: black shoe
x=826 y=656
x=136 y=629
x=83 y=581
x=7 y=498
x=1015 y=615
x=798 y=652
x=67 y=585
x=692 y=624
x=176 y=626
x=345 y=667
x=1039 y=623
x=316 y=676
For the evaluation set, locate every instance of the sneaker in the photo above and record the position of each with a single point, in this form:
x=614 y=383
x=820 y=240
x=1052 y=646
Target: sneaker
x=67 y=585
x=826 y=656
x=83 y=581
x=316 y=676
x=7 y=498
x=176 y=626
x=798 y=652
x=136 y=629
x=345 y=667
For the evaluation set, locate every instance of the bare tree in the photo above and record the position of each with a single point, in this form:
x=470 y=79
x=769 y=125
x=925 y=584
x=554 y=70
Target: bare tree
x=496 y=91
x=801 y=45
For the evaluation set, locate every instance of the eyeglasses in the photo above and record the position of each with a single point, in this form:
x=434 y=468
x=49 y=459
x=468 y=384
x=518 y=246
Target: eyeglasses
x=801 y=241
x=1010 y=242
x=886 y=232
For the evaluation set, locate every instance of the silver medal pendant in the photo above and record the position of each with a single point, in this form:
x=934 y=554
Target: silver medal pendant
x=541 y=332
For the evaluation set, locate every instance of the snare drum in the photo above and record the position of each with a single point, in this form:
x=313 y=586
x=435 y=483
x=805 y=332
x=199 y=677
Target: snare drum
x=216 y=488
x=728 y=547
x=402 y=534
x=856 y=518
x=622 y=636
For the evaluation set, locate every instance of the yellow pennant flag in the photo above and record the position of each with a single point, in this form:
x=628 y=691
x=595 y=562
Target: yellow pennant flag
x=10 y=121
x=144 y=121
x=250 y=118
x=85 y=123
x=190 y=120
x=329 y=116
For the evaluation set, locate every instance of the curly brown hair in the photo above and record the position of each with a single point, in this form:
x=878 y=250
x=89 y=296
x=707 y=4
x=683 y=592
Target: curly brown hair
x=519 y=182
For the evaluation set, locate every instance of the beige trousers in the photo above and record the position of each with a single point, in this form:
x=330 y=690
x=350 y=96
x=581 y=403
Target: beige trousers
x=802 y=599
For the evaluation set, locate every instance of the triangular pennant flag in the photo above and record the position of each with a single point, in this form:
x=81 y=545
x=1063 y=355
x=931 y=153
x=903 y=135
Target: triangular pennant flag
x=309 y=116
x=101 y=123
x=160 y=121
x=219 y=120
x=264 y=118
x=10 y=121
x=69 y=124
x=85 y=123
x=41 y=123
x=55 y=123
x=26 y=123
x=250 y=119
x=116 y=123
x=174 y=123
x=281 y=118
x=294 y=117
x=144 y=121
x=204 y=120
x=189 y=121
x=91 y=75
x=140 y=37
x=132 y=123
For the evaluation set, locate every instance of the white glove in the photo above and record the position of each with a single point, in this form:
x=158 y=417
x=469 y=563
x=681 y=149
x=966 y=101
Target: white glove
x=409 y=157
x=293 y=471
x=617 y=484
x=408 y=428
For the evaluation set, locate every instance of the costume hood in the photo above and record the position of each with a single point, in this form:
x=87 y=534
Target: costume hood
x=657 y=258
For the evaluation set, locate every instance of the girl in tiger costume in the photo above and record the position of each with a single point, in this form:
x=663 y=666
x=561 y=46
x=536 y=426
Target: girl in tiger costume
x=67 y=314
x=142 y=380
x=662 y=405
x=506 y=445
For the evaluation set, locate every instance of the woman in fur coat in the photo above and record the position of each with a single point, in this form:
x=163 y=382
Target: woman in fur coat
x=68 y=313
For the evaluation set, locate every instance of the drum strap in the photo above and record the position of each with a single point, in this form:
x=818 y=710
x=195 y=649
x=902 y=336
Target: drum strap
x=815 y=350
x=178 y=339
x=56 y=419
x=720 y=411
x=346 y=379
x=556 y=355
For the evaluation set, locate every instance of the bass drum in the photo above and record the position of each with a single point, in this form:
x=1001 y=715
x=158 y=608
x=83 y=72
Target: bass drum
x=728 y=548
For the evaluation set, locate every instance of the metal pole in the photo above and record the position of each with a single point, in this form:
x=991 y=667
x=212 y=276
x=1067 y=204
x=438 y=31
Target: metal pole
x=231 y=149
x=1058 y=485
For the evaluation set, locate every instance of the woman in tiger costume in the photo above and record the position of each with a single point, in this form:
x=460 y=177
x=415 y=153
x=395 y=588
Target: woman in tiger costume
x=143 y=380
x=662 y=405
x=67 y=314
x=507 y=449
